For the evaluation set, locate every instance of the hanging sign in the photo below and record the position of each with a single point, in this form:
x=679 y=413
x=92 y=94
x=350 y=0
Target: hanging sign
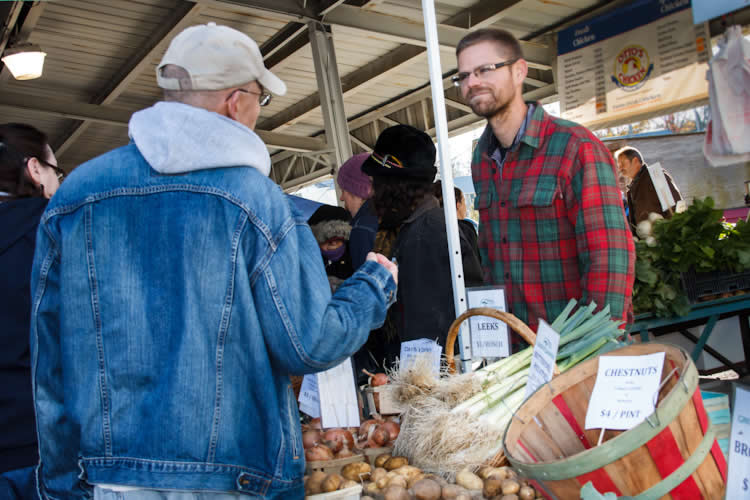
x=489 y=336
x=636 y=60
x=625 y=391
x=339 y=406
x=738 y=477
x=543 y=357
x=414 y=349
x=309 y=403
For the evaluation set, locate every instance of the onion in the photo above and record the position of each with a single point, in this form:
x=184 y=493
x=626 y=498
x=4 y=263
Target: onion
x=310 y=438
x=318 y=452
x=338 y=438
x=393 y=429
x=364 y=429
x=378 y=379
x=380 y=436
x=344 y=453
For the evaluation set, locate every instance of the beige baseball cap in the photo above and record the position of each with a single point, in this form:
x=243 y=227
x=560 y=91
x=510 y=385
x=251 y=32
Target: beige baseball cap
x=216 y=58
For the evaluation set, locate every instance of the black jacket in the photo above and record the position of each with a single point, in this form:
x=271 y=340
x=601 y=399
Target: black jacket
x=424 y=308
x=18 y=224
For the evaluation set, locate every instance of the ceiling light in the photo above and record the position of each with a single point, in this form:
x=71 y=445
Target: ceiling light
x=24 y=61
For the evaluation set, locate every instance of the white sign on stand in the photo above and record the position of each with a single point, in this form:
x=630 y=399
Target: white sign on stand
x=543 y=358
x=666 y=200
x=738 y=477
x=413 y=349
x=338 y=396
x=625 y=391
x=308 y=396
x=489 y=336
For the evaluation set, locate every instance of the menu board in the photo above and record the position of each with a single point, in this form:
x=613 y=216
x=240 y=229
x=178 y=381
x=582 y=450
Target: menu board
x=633 y=61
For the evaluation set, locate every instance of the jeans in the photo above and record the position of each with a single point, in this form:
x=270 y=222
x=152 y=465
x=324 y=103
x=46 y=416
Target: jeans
x=148 y=494
x=18 y=484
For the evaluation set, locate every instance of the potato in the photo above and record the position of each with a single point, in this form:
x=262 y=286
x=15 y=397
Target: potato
x=314 y=482
x=469 y=480
x=408 y=471
x=378 y=473
x=395 y=462
x=438 y=479
x=527 y=493
x=395 y=493
x=331 y=483
x=509 y=497
x=492 y=487
x=510 y=486
x=398 y=481
x=411 y=480
x=427 y=489
x=371 y=489
x=358 y=471
x=348 y=483
x=453 y=491
x=381 y=459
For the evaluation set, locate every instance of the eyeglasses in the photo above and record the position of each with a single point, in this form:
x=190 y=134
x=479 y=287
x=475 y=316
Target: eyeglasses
x=481 y=72
x=263 y=97
x=60 y=173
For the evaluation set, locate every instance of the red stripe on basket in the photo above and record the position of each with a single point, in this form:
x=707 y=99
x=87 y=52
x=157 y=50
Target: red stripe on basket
x=716 y=452
x=666 y=454
x=601 y=480
x=538 y=488
x=572 y=422
x=531 y=455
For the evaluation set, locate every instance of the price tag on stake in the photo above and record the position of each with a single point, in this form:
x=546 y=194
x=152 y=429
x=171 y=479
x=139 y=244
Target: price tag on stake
x=413 y=349
x=625 y=391
x=543 y=358
x=309 y=403
x=489 y=336
x=738 y=477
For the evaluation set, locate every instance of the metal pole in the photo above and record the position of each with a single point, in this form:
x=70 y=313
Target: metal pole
x=446 y=174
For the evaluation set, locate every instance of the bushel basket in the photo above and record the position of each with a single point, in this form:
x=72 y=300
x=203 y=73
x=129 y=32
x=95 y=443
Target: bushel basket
x=673 y=454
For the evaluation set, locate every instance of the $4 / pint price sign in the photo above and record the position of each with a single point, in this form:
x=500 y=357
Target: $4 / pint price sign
x=738 y=477
x=625 y=391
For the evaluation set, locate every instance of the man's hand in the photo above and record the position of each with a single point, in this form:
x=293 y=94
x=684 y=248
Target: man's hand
x=383 y=261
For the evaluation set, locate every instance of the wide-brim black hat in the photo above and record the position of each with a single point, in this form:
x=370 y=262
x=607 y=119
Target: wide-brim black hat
x=402 y=152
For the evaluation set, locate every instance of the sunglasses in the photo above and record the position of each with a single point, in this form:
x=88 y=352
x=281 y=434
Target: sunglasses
x=481 y=72
x=263 y=97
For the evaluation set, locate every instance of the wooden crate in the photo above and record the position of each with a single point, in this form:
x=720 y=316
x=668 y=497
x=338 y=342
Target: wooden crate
x=387 y=404
x=333 y=466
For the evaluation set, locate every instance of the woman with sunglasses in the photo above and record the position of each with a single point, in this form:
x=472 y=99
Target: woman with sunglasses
x=29 y=176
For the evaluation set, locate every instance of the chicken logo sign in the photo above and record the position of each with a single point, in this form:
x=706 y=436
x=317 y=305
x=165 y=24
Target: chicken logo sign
x=632 y=68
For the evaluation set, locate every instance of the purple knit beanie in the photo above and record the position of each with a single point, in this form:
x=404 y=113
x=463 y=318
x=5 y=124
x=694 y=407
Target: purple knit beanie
x=352 y=179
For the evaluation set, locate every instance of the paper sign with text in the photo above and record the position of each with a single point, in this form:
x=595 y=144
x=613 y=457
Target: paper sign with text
x=738 y=479
x=308 y=396
x=625 y=391
x=417 y=348
x=543 y=357
x=666 y=200
x=338 y=396
x=489 y=336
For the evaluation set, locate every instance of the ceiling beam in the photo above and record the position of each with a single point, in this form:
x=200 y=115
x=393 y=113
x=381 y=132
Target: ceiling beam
x=315 y=176
x=11 y=11
x=296 y=40
x=291 y=10
x=182 y=17
x=111 y=115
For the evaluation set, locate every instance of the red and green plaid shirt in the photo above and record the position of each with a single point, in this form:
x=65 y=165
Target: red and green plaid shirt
x=552 y=223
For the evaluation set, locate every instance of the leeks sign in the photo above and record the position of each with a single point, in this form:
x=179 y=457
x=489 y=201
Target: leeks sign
x=642 y=58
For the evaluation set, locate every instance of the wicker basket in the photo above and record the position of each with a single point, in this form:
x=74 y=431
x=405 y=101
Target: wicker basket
x=516 y=325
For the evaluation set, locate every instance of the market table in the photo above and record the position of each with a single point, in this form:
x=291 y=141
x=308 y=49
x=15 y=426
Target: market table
x=704 y=313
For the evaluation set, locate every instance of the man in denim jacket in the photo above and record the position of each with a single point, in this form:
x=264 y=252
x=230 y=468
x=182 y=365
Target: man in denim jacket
x=175 y=290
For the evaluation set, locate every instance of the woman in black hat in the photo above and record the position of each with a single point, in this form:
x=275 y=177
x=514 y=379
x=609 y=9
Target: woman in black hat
x=412 y=230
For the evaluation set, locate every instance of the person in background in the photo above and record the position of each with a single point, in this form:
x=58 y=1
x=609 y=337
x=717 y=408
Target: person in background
x=551 y=222
x=175 y=290
x=466 y=227
x=331 y=228
x=356 y=191
x=412 y=231
x=641 y=194
x=29 y=176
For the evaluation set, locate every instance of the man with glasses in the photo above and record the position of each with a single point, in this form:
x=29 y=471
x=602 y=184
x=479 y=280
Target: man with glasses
x=175 y=290
x=552 y=225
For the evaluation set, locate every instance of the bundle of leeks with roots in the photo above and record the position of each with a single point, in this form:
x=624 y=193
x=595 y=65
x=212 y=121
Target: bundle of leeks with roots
x=457 y=421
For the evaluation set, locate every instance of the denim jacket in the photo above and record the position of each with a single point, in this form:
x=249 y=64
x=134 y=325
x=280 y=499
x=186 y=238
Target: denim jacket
x=170 y=302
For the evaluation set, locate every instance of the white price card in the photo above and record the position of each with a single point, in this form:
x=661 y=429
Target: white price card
x=308 y=396
x=738 y=477
x=625 y=391
x=543 y=358
x=489 y=336
x=666 y=200
x=338 y=396
x=413 y=349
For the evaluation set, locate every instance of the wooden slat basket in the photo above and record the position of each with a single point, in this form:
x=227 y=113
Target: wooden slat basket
x=513 y=322
x=673 y=454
